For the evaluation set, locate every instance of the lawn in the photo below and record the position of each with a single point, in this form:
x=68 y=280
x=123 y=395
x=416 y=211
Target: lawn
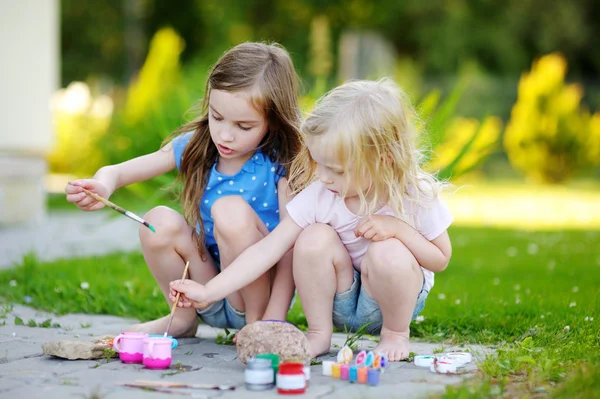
x=534 y=295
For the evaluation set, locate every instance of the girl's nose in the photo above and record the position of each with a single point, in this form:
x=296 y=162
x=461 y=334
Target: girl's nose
x=226 y=135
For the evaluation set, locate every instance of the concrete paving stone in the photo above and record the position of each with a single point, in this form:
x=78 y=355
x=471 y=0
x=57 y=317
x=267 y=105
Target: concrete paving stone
x=23 y=371
x=26 y=373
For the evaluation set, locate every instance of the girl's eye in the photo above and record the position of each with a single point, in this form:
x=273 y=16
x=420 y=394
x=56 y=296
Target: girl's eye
x=215 y=117
x=244 y=128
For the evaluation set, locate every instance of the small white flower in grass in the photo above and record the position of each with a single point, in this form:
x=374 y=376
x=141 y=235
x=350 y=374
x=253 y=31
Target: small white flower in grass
x=572 y=304
x=85 y=285
x=532 y=248
x=512 y=251
x=575 y=289
x=567 y=328
x=57 y=289
x=517 y=287
x=419 y=319
x=441 y=295
x=542 y=316
x=457 y=302
x=128 y=284
x=13 y=283
x=517 y=300
x=496 y=281
x=589 y=319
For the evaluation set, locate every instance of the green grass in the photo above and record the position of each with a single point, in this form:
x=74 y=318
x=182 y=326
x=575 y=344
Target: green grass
x=514 y=289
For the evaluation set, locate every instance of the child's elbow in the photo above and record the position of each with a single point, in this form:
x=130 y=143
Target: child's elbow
x=444 y=262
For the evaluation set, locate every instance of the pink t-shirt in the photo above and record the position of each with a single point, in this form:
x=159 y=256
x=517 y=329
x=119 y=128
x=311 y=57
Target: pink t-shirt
x=316 y=204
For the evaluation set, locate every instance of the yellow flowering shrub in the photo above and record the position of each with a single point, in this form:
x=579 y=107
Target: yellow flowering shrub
x=549 y=136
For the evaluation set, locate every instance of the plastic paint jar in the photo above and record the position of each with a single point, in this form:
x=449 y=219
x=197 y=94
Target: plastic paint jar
x=327 y=365
x=344 y=372
x=353 y=374
x=373 y=377
x=274 y=358
x=335 y=370
x=362 y=375
x=291 y=379
x=258 y=375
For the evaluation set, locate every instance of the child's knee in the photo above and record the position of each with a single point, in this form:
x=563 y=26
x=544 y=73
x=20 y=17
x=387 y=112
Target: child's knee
x=167 y=222
x=316 y=239
x=389 y=258
x=232 y=214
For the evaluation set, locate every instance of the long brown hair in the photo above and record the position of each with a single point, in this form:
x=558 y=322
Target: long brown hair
x=266 y=71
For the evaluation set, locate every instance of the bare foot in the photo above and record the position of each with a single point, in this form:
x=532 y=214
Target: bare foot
x=180 y=327
x=394 y=344
x=318 y=342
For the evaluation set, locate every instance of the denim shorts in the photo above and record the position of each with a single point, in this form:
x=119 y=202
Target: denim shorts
x=355 y=308
x=221 y=314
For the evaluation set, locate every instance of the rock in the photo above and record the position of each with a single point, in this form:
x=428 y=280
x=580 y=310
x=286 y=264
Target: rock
x=79 y=349
x=278 y=337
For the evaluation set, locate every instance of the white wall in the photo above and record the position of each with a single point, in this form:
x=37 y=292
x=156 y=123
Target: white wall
x=29 y=74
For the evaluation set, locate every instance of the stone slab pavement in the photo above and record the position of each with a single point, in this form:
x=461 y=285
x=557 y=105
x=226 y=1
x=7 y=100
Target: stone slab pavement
x=26 y=373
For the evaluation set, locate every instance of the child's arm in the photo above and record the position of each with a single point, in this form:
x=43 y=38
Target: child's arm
x=433 y=255
x=109 y=178
x=246 y=268
x=282 y=290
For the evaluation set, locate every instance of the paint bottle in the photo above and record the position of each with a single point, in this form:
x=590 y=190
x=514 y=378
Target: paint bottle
x=306 y=368
x=258 y=375
x=335 y=370
x=291 y=379
x=362 y=375
x=344 y=372
x=327 y=365
x=373 y=377
x=274 y=359
x=353 y=374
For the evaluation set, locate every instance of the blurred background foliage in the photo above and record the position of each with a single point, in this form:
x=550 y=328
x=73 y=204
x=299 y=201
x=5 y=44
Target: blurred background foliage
x=489 y=79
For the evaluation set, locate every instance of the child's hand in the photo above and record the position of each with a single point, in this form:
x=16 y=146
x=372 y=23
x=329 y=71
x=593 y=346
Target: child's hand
x=83 y=201
x=377 y=227
x=192 y=293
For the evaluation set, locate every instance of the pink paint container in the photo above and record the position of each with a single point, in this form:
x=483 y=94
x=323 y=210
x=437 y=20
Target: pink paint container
x=344 y=371
x=157 y=353
x=130 y=345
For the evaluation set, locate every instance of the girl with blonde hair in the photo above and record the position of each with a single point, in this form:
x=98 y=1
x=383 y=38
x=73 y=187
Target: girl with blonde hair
x=232 y=161
x=368 y=234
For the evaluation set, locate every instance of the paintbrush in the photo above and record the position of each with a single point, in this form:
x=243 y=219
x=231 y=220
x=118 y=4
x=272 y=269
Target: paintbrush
x=165 y=384
x=187 y=264
x=118 y=208
x=163 y=390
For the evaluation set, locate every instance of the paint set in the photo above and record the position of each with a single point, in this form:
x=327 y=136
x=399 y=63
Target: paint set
x=366 y=369
x=446 y=363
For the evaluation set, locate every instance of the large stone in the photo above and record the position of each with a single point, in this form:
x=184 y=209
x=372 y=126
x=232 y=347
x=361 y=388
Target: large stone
x=278 y=337
x=79 y=349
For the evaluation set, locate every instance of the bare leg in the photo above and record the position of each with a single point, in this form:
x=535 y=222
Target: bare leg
x=322 y=267
x=237 y=227
x=166 y=252
x=391 y=275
